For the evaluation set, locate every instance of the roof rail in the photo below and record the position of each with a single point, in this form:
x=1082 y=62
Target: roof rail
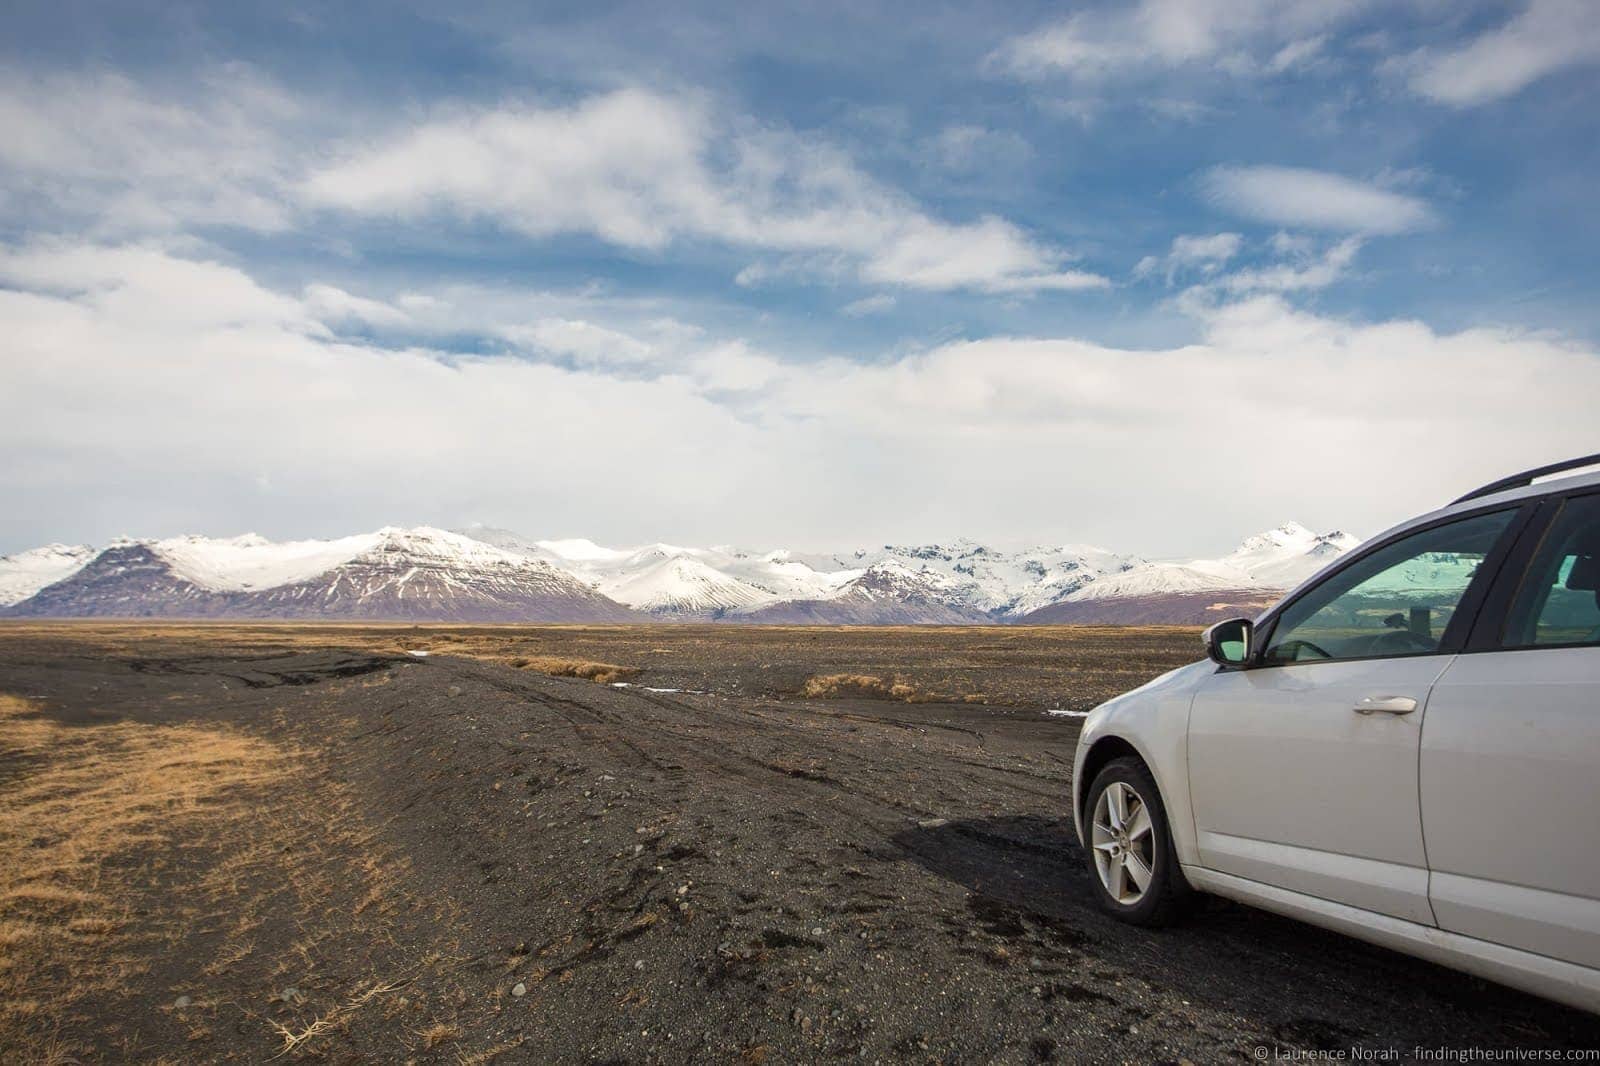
x=1516 y=481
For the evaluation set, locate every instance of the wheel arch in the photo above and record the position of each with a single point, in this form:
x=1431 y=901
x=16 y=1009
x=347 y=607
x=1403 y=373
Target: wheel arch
x=1105 y=750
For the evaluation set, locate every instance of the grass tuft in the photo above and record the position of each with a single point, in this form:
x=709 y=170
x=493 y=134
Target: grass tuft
x=604 y=673
x=866 y=686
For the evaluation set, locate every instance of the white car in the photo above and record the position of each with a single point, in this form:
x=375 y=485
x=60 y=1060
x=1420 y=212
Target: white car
x=1405 y=749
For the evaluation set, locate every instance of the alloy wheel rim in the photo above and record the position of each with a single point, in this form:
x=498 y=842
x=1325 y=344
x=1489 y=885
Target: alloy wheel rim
x=1123 y=842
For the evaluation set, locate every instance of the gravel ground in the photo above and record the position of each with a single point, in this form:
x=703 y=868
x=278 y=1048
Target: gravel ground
x=574 y=872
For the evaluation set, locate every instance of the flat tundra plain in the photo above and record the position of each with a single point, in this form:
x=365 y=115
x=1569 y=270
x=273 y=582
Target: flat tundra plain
x=624 y=844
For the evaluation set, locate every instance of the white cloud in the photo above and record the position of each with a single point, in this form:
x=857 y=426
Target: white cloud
x=153 y=393
x=1296 y=54
x=1236 y=36
x=585 y=342
x=333 y=306
x=1313 y=199
x=1192 y=252
x=1547 y=36
x=968 y=148
x=641 y=170
x=1304 y=273
x=876 y=304
x=125 y=159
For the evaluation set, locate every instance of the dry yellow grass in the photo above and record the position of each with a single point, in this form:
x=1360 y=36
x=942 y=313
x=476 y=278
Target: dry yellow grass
x=832 y=686
x=82 y=803
x=438 y=1033
x=555 y=666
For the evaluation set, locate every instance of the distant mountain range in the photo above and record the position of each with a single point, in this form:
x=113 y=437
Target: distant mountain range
x=495 y=575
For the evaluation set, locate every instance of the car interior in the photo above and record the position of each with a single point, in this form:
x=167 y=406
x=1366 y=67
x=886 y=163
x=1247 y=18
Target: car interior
x=1560 y=600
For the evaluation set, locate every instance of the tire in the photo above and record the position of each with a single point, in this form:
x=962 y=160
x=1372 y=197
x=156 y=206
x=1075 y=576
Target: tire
x=1165 y=896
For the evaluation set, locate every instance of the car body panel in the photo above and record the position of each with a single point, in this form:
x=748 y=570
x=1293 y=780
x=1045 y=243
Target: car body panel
x=1289 y=785
x=1511 y=754
x=1158 y=709
x=1564 y=982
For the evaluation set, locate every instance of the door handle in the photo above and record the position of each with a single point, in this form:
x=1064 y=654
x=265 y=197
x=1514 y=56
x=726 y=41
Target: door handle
x=1385 y=705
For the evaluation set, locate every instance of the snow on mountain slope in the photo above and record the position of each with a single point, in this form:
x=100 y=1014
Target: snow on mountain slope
x=680 y=585
x=787 y=575
x=886 y=593
x=1278 y=559
x=398 y=574
x=779 y=574
x=1153 y=579
x=25 y=573
x=433 y=573
x=237 y=564
x=495 y=574
x=1286 y=556
x=1001 y=583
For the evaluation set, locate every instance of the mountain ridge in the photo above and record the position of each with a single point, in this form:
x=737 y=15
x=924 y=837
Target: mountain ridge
x=486 y=574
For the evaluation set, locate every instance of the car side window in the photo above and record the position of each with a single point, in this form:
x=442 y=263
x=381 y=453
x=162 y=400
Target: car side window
x=1396 y=601
x=1559 y=600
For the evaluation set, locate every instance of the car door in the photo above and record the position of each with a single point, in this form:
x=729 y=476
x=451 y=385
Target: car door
x=1510 y=762
x=1303 y=768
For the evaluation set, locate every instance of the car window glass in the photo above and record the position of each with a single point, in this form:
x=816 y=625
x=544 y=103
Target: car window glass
x=1559 y=601
x=1396 y=601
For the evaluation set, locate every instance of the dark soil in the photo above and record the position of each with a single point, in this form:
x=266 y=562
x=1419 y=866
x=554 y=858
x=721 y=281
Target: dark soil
x=687 y=877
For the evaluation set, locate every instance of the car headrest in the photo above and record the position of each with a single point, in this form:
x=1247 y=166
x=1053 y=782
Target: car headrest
x=1585 y=573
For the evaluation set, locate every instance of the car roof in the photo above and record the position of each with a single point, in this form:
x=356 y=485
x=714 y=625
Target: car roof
x=1511 y=495
x=1461 y=506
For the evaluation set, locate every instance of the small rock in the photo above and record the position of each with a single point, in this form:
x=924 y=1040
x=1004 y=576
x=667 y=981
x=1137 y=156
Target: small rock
x=182 y=1002
x=933 y=823
x=519 y=989
x=639 y=965
x=816 y=930
x=453 y=690
x=638 y=849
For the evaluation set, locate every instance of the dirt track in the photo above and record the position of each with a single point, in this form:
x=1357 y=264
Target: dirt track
x=669 y=877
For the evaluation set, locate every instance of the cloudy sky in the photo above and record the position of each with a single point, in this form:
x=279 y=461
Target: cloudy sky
x=1151 y=275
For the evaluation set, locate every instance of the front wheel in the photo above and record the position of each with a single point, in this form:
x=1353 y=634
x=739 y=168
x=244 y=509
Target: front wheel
x=1136 y=875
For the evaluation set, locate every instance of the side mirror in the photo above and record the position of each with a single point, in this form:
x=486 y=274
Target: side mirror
x=1229 y=643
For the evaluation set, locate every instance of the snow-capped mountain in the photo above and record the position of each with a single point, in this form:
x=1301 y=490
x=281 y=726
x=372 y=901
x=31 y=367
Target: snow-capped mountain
x=1245 y=580
x=25 y=573
x=1005 y=584
x=888 y=592
x=487 y=574
x=1277 y=559
x=393 y=574
x=682 y=583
